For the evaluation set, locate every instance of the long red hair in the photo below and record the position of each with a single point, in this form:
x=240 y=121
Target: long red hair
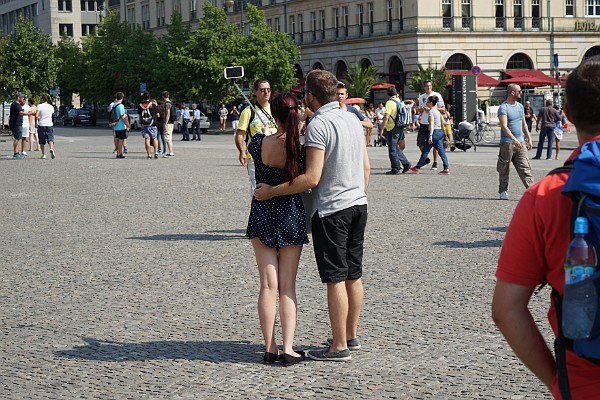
x=284 y=107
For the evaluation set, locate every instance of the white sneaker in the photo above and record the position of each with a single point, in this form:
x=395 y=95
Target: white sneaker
x=504 y=196
x=43 y=157
x=52 y=155
x=24 y=153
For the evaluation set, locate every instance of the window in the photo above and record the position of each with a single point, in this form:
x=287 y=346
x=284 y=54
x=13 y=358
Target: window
x=465 y=8
x=88 y=29
x=313 y=24
x=345 y=19
x=447 y=14
x=270 y=23
x=146 y=16
x=500 y=14
x=277 y=25
x=519 y=61
x=301 y=27
x=592 y=8
x=160 y=13
x=177 y=6
x=459 y=62
x=401 y=14
x=322 y=19
x=389 y=15
x=370 y=16
x=535 y=14
x=131 y=17
x=569 y=8
x=336 y=22
x=66 y=6
x=360 y=17
x=518 y=14
x=293 y=25
x=65 y=29
x=594 y=51
x=193 y=14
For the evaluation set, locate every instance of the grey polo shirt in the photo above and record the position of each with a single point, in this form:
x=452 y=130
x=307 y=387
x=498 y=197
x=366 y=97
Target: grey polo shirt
x=341 y=136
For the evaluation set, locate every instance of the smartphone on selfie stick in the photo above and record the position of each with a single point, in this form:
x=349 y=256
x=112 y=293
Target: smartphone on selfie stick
x=233 y=73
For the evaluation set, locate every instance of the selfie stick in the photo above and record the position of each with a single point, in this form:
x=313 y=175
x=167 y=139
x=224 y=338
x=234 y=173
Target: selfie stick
x=250 y=104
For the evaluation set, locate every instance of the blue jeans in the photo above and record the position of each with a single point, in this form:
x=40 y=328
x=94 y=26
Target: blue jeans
x=549 y=133
x=196 y=129
x=438 y=143
x=397 y=156
x=161 y=140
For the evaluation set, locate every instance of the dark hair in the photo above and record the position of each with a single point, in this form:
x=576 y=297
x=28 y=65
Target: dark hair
x=284 y=107
x=165 y=94
x=433 y=99
x=427 y=81
x=322 y=84
x=259 y=81
x=145 y=96
x=392 y=91
x=548 y=103
x=119 y=95
x=31 y=100
x=45 y=98
x=583 y=95
x=341 y=85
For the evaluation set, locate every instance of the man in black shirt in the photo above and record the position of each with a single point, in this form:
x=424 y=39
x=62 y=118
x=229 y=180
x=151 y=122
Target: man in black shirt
x=15 y=123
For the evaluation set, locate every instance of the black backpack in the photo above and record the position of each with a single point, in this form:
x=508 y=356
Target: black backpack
x=147 y=115
x=172 y=116
x=112 y=118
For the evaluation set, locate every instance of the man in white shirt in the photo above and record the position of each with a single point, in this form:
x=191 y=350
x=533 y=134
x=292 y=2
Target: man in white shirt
x=45 y=112
x=423 y=135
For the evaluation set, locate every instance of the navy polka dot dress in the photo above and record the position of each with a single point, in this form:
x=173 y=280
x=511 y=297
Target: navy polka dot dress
x=279 y=221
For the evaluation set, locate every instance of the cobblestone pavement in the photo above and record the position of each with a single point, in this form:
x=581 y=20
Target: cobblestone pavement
x=132 y=279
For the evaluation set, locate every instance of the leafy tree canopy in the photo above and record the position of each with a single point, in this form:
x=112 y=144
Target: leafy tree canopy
x=359 y=80
x=437 y=76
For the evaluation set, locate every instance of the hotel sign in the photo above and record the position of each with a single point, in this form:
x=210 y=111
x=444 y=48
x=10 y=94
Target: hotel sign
x=587 y=26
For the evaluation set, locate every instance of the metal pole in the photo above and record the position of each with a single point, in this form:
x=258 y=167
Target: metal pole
x=285 y=16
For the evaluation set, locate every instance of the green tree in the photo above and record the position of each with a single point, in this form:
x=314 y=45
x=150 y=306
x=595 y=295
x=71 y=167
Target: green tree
x=177 y=37
x=71 y=71
x=106 y=58
x=27 y=63
x=141 y=59
x=437 y=76
x=359 y=80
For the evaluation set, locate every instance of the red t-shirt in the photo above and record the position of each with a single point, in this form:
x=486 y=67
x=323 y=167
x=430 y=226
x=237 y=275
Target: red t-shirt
x=534 y=249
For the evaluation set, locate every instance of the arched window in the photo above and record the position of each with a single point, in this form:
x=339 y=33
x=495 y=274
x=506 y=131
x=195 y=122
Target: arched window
x=298 y=73
x=594 y=51
x=341 y=69
x=519 y=61
x=365 y=63
x=396 y=74
x=459 y=62
x=318 y=65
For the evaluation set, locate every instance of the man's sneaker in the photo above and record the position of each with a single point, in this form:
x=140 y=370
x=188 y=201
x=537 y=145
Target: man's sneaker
x=17 y=157
x=504 y=196
x=405 y=168
x=393 y=172
x=415 y=170
x=43 y=157
x=155 y=155
x=164 y=155
x=353 y=344
x=24 y=153
x=445 y=172
x=434 y=165
x=427 y=161
x=326 y=355
x=170 y=155
x=125 y=150
x=114 y=151
x=52 y=155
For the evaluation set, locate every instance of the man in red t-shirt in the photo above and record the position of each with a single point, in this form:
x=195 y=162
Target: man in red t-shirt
x=534 y=250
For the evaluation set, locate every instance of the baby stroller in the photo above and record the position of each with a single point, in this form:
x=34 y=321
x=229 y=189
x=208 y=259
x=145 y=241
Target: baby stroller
x=464 y=133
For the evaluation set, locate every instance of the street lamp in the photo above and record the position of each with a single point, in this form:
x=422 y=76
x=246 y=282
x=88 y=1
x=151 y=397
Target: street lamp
x=230 y=3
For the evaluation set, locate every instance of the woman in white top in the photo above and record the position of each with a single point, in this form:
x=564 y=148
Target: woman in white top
x=223 y=116
x=436 y=136
x=33 y=136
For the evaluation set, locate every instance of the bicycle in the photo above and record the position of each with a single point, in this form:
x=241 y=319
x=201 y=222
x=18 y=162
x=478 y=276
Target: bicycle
x=484 y=132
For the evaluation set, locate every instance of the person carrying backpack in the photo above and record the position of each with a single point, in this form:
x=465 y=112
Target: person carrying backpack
x=535 y=246
x=394 y=123
x=147 y=114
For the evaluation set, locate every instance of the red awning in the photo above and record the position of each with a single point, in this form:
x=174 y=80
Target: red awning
x=380 y=86
x=530 y=73
x=482 y=79
x=299 y=87
x=530 y=81
x=355 y=100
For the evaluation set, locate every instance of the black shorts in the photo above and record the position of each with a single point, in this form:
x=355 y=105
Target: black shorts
x=423 y=135
x=121 y=134
x=338 y=242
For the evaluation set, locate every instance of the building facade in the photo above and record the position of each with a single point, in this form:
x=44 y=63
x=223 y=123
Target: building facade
x=72 y=18
x=397 y=35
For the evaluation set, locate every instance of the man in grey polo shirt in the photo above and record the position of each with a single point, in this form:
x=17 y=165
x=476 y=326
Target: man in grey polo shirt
x=337 y=170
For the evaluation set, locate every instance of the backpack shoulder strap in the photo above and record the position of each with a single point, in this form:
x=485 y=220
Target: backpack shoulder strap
x=560 y=349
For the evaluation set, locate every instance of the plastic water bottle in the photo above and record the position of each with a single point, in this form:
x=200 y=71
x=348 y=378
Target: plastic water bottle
x=579 y=302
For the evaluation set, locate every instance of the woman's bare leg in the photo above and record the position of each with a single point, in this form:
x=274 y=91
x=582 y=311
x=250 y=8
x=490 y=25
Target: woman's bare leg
x=266 y=259
x=289 y=257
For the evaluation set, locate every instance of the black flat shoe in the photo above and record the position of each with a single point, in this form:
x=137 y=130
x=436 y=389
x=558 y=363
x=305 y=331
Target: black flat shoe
x=270 y=358
x=291 y=360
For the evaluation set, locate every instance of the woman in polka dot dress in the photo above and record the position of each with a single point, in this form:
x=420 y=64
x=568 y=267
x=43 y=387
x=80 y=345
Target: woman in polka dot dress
x=277 y=227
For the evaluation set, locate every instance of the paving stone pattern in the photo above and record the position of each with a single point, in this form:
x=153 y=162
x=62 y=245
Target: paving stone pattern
x=132 y=279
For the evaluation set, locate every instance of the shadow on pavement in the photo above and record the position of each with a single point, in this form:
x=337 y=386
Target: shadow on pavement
x=453 y=198
x=208 y=236
x=470 y=245
x=212 y=351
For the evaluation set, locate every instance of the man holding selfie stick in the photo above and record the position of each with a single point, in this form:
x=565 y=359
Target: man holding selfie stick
x=252 y=121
